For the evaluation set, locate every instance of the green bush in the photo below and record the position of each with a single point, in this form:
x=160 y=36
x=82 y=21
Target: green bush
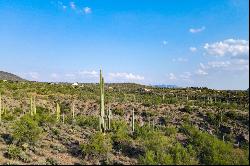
x=183 y=156
x=8 y=117
x=120 y=131
x=155 y=158
x=43 y=117
x=170 y=130
x=99 y=145
x=51 y=161
x=119 y=112
x=13 y=152
x=162 y=150
x=88 y=121
x=211 y=150
x=26 y=130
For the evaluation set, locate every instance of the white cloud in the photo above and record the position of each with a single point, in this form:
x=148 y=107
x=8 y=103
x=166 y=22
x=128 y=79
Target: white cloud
x=186 y=76
x=87 y=10
x=193 y=49
x=202 y=66
x=34 y=75
x=70 y=75
x=230 y=47
x=196 y=30
x=31 y=75
x=164 y=42
x=54 y=75
x=219 y=64
x=126 y=76
x=92 y=73
x=201 y=72
x=180 y=60
x=72 y=5
x=172 y=76
x=232 y=65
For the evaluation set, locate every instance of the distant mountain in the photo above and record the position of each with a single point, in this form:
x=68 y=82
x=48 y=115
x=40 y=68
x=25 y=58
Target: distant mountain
x=166 y=86
x=10 y=77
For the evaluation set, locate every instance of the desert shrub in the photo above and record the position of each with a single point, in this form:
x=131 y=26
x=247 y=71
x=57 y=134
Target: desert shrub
x=99 y=145
x=43 y=117
x=18 y=111
x=163 y=150
x=170 y=130
x=182 y=155
x=120 y=131
x=211 y=150
x=13 y=152
x=187 y=109
x=51 y=161
x=8 y=116
x=26 y=130
x=55 y=131
x=118 y=111
x=155 y=158
x=212 y=118
x=69 y=120
x=89 y=121
x=120 y=135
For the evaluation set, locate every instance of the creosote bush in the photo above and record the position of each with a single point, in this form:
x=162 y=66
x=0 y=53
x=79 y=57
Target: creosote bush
x=87 y=121
x=159 y=149
x=211 y=150
x=26 y=130
x=99 y=145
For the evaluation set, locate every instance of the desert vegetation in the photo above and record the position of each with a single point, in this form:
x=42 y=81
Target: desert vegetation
x=57 y=123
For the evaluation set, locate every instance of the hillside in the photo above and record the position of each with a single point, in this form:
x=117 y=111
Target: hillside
x=60 y=125
x=10 y=76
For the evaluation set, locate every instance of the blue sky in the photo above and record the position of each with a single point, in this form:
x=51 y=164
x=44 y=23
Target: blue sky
x=186 y=43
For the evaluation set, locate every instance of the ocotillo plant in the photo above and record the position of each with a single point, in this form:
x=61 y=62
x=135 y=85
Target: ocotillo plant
x=102 y=112
x=57 y=112
x=133 y=120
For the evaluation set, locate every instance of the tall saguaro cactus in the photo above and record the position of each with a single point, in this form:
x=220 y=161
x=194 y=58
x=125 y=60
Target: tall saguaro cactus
x=73 y=110
x=58 y=112
x=102 y=112
x=109 y=118
x=32 y=106
x=133 y=120
x=0 y=107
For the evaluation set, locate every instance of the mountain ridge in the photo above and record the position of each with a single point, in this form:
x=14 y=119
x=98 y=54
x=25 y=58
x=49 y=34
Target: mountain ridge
x=10 y=77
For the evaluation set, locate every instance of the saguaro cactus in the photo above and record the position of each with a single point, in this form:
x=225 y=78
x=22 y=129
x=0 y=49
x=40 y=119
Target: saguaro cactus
x=31 y=106
x=58 y=112
x=34 y=106
x=73 y=111
x=0 y=107
x=109 y=118
x=63 y=118
x=133 y=120
x=102 y=112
